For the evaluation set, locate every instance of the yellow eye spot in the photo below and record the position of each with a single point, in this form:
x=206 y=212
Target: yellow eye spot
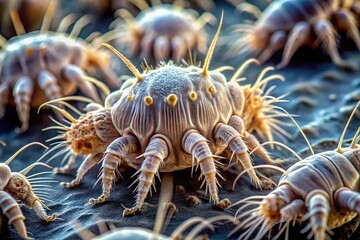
x=148 y=101
x=192 y=96
x=212 y=89
x=29 y=51
x=130 y=97
x=171 y=100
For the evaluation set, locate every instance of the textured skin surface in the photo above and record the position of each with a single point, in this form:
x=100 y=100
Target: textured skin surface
x=160 y=118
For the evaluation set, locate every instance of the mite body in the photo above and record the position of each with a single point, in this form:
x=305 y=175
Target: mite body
x=322 y=189
x=291 y=24
x=163 y=32
x=44 y=65
x=15 y=187
x=172 y=118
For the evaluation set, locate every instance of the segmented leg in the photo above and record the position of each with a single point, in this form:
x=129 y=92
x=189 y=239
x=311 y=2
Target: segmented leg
x=178 y=46
x=147 y=45
x=231 y=138
x=155 y=153
x=4 y=93
x=120 y=148
x=75 y=74
x=318 y=206
x=40 y=211
x=297 y=37
x=272 y=204
x=12 y=211
x=194 y=143
x=86 y=165
x=277 y=41
x=161 y=48
x=346 y=21
x=347 y=199
x=327 y=36
x=253 y=143
x=67 y=167
x=48 y=83
x=22 y=92
x=238 y=124
x=293 y=210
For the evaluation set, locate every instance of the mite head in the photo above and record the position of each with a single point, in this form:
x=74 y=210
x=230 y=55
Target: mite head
x=90 y=133
x=18 y=186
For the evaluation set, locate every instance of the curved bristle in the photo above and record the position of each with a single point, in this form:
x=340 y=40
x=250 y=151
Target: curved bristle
x=127 y=62
x=22 y=149
x=212 y=47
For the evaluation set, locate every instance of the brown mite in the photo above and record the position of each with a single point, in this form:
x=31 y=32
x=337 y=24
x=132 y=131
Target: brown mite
x=323 y=190
x=162 y=32
x=43 y=65
x=15 y=187
x=171 y=118
x=291 y=24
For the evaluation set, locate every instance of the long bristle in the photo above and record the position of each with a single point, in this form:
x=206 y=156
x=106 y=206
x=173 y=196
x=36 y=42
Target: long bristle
x=28 y=169
x=64 y=113
x=127 y=62
x=212 y=47
x=243 y=67
x=345 y=128
x=21 y=149
x=18 y=25
x=49 y=14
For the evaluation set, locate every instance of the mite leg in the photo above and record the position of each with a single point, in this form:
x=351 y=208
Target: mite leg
x=277 y=41
x=251 y=141
x=67 y=167
x=347 y=199
x=179 y=48
x=195 y=144
x=115 y=152
x=293 y=210
x=86 y=165
x=161 y=48
x=77 y=75
x=4 y=94
x=155 y=153
x=297 y=37
x=147 y=43
x=231 y=138
x=345 y=20
x=12 y=211
x=326 y=34
x=22 y=92
x=48 y=83
x=318 y=206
